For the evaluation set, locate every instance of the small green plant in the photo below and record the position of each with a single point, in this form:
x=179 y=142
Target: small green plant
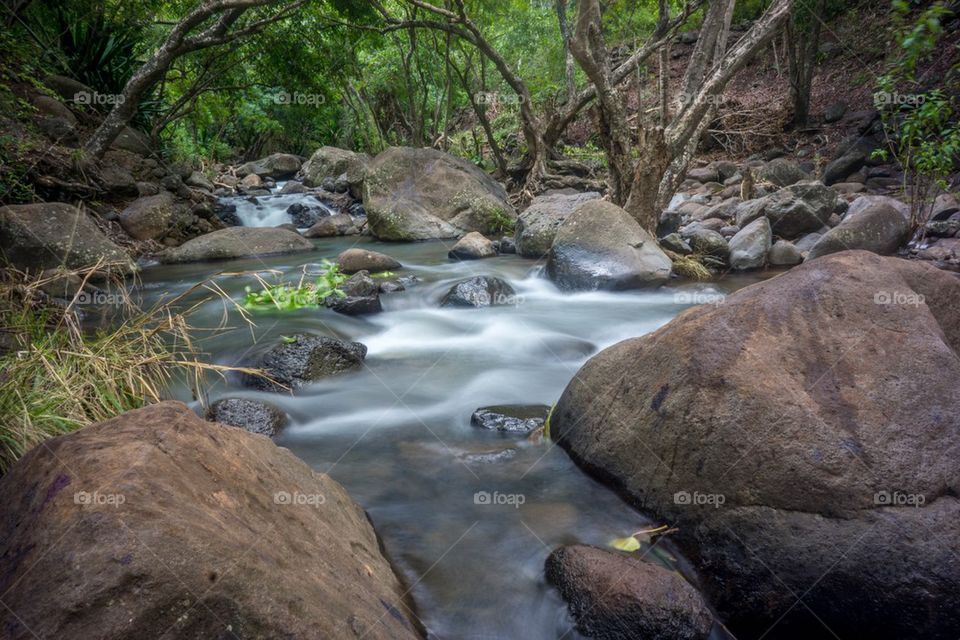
x=287 y=297
x=499 y=222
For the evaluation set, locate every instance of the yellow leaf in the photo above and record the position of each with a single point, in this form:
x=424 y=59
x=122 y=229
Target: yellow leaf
x=625 y=544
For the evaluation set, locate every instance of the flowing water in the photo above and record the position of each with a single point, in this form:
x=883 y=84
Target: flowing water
x=398 y=434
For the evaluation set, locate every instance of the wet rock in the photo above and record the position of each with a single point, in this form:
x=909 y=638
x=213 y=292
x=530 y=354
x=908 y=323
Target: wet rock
x=304 y=216
x=748 y=249
x=252 y=182
x=51 y=234
x=339 y=224
x=670 y=222
x=538 y=223
x=302 y=359
x=708 y=386
x=479 y=291
x=157 y=504
x=944 y=206
x=424 y=194
x=197 y=179
x=237 y=242
x=472 y=246
x=615 y=596
x=227 y=213
x=599 y=246
x=507 y=245
x=255 y=416
x=942 y=228
x=293 y=187
x=354 y=260
x=793 y=210
x=708 y=241
x=511 y=418
x=361 y=296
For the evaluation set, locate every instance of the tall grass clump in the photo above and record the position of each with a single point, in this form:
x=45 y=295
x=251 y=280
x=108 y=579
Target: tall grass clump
x=56 y=377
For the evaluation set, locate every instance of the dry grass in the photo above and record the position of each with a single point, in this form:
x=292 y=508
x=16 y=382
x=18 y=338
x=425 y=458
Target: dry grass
x=691 y=266
x=56 y=377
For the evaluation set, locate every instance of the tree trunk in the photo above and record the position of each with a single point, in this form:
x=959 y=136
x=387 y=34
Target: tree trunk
x=803 y=43
x=655 y=156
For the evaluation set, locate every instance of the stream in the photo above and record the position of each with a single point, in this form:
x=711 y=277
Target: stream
x=397 y=435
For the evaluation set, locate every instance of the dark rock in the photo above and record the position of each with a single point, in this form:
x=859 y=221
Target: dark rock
x=253 y=415
x=843 y=167
x=834 y=112
x=302 y=359
x=479 y=291
x=507 y=245
x=304 y=216
x=670 y=222
x=344 y=169
x=708 y=241
x=748 y=249
x=361 y=296
x=614 y=596
x=511 y=418
x=675 y=243
x=278 y=165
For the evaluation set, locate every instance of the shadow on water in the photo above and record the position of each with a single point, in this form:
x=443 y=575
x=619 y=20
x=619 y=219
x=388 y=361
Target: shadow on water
x=469 y=537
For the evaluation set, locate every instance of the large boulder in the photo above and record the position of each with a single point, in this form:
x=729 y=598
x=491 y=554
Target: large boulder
x=424 y=194
x=302 y=359
x=802 y=438
x=277 y=165
x=614 y=596
x=52 y=234
x=879 y=228
x=331 y=162
x=153 y=217
x=159 y=524
x=538 y=223
x=339 y=224
x=237 y=242
x=600 y=246
x=868 y=202
x=749 y=247
x=843 y=167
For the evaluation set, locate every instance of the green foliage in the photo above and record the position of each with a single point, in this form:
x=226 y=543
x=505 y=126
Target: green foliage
x=921 y=125
x=286 y=297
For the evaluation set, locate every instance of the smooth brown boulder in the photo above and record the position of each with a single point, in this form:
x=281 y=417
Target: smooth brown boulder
x=237 y=242
x=153 y=217
x=473 y=246
x=803 y=437
x=159 y=524
x=615 y=596
x=339 y=224
x=354 y=260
